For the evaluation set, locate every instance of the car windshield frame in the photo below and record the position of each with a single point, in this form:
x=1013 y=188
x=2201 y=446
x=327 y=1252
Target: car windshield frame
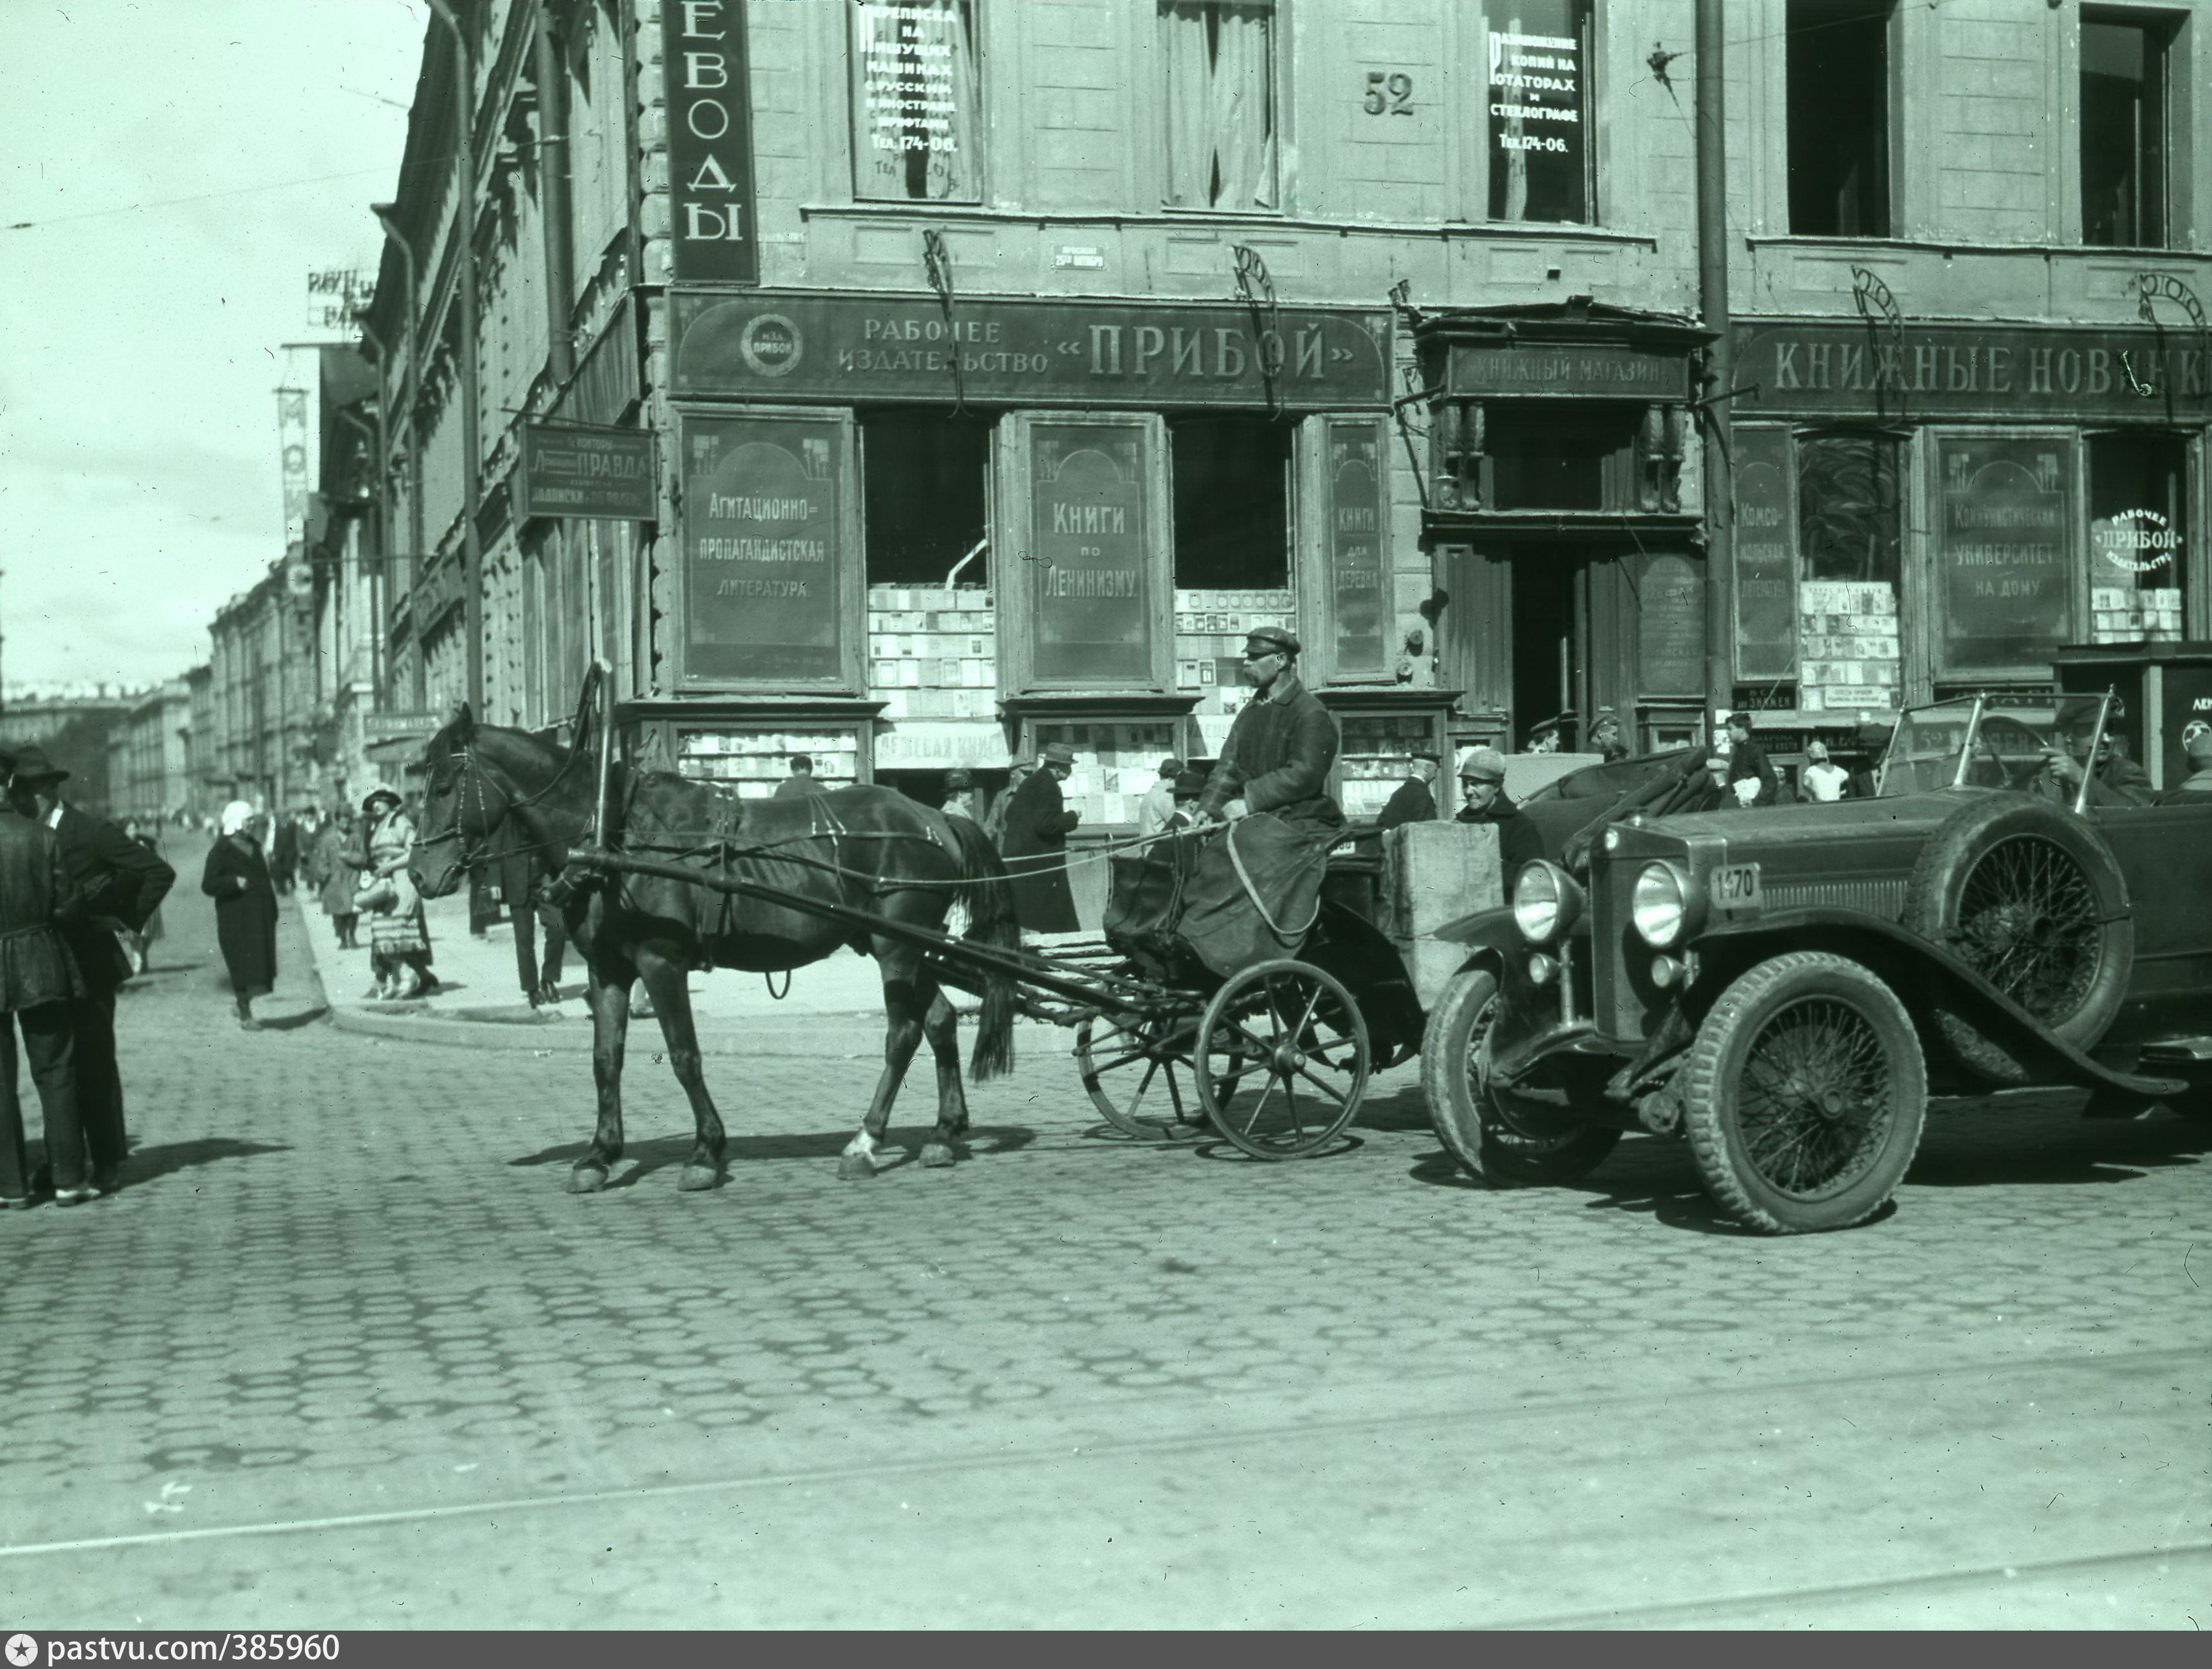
x=1990 y=741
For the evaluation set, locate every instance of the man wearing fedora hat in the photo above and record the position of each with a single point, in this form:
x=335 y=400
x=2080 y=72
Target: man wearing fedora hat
x=1414 y=800
x=119 y=881
x=1035 y=845
x=1281 y=747
x=39 y=984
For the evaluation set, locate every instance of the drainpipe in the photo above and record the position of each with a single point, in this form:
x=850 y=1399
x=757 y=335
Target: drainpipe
x=464 y=169
x=1720 y=356
x=385 y=213
x=553 y=197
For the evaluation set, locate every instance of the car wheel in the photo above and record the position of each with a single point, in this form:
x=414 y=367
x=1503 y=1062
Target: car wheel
x=2025 y=894
x=1506 y=1140
x=1804 y=1094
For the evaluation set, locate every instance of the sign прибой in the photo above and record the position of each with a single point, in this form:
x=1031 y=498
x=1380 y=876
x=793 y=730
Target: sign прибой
x=583 y=472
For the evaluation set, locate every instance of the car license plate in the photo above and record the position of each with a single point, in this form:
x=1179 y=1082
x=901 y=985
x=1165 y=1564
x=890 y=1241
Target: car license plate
x=1735 y=887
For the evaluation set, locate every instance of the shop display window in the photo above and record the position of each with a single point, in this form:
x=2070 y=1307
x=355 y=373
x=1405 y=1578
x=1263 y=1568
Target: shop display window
x=2138 y=537
x=754 y=762
x=1540 y=108
x=1376 y=757
x=2123 y=127
x=1850 y=529
x=924 y=490
x=1838 y=82
x=1218 y=63
x=2005 y=532
x=916 y=102
x=1232 y=510
x=1115 y=766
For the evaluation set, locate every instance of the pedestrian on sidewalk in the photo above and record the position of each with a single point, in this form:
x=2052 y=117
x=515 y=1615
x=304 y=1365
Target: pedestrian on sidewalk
x=396 y=940
x=522 y=876
x=118 y=885
x=336 y=880
x=39 y=984
x=1035 y=847
x=237 y=879
x=391 y=842
x=140 y=945
x=284 y=852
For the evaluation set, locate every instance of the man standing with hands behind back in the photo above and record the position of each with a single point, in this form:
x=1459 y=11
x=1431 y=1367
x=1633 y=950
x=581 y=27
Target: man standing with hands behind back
x=119 y=880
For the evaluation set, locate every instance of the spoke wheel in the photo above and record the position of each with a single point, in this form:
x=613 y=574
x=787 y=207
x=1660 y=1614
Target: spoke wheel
x=2028 y=923
x=1804 y=1094
x=1284 y=1060
x=1139 y=1075
x=1505 y=1139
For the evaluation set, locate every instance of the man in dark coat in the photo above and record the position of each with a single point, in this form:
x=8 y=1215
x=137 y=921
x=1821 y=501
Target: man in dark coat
x=802 y=780
x=1037 y=826
x=284 y=852
x=1748 y=760
x=522 y=876
x=119 y=880
x=1281 y=747
x=1413 y=802
x=1482 y=793
x=38 y=985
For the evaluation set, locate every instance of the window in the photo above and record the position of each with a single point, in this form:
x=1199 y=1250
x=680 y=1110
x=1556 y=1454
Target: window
x=1838 y=92
x=2138 y=536
x=2122 y=130
x=2005 y=534
x=1540 y=110
x=1850 y=540
x=922 y=498
x=1232 y=522
x=915 y=101
x=1562 y=455
x=1219 y=59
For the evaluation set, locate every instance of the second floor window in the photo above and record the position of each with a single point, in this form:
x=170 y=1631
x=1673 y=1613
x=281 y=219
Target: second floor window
x=1839 y=69
x=915 y=101
x=1218 y=61
x=2124 y=117
x=1540 y=110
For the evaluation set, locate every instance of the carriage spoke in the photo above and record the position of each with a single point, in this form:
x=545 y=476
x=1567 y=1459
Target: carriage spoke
x=1253 y=1118
x=1297 y=1119
x=1143 y=1084
x=1342 y=1099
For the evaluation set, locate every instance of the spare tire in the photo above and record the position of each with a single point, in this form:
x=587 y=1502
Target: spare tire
x=2025 y=894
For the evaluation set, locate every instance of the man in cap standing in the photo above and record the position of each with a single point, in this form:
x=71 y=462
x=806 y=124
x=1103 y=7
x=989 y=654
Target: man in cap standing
x=116 y=880
x=802 y=780
x=1037 y=826
x=1482 y=789
x=1281 y=747
x=1413 y=802
x=1158 y=803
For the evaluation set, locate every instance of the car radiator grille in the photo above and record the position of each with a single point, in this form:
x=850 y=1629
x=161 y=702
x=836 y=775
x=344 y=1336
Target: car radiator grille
x=1883 y=896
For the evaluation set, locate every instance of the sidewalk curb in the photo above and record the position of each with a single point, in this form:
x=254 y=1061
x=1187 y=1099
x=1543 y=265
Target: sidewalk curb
x=777 y=1038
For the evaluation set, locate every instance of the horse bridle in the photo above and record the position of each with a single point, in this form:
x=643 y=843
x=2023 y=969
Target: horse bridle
x=475 y=775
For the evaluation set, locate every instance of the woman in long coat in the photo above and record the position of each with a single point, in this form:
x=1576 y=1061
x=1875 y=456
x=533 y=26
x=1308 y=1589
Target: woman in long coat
x=335 y=878
x=1037 y=825
x=237 y=879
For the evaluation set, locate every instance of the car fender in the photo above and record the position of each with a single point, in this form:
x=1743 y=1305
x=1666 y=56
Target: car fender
x=1903 y=957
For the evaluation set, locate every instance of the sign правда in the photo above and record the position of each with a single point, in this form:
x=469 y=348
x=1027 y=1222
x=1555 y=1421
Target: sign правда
x=580 y=472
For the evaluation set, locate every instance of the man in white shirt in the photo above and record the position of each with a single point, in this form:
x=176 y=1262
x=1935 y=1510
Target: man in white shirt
x=1158 y=803
x=1822 y=780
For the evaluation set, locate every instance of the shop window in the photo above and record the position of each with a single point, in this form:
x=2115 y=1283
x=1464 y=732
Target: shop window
x=2138 y=537
x=1539 y=111
x=922 y=500
x=2123 y=118
x=1232 y=520
x=1561 y=454
x=1850 y=527
x=1218 y=59
x=915 y=101
x=2004 y=576
x=1838 y=92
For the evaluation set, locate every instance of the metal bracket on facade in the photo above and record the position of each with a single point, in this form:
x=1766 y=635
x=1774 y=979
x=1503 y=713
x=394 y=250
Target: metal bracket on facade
x=1871 y=295
x=1257 y=289
x=936 y=262
x=2150 y=287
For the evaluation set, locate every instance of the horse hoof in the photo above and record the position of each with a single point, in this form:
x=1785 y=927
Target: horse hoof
x=698 y=1177
x=936 y=1155
x=586 y=1179
x=855 y=1167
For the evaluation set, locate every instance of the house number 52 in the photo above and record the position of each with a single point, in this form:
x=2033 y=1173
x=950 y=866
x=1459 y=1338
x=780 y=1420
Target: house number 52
x=1390 y=94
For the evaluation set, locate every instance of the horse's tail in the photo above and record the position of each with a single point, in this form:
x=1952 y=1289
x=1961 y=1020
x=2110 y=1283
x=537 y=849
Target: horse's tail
x=990 y=921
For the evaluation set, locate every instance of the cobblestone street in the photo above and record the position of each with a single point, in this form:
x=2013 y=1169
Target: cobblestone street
x=343 y=1352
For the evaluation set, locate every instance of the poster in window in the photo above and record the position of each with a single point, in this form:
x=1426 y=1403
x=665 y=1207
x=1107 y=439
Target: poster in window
x=2138 y=536
x=1671 y=634
x=913 y=101
x=1090 y=590
x=1539 y=110
x=761 y=511
x=1765 y=558
x=2002 y=550
x=1359 y=576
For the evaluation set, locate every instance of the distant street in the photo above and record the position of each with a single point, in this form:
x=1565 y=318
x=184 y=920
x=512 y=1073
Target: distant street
x=343 y=1352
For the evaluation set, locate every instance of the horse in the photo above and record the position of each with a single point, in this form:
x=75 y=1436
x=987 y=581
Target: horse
x=866 y=848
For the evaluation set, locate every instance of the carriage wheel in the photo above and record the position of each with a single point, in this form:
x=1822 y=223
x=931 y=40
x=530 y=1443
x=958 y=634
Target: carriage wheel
x=1139 y=1072
x=1284 y=1060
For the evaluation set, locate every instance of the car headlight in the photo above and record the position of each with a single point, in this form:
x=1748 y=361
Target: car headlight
x=1660 y=905
x=1547 y=902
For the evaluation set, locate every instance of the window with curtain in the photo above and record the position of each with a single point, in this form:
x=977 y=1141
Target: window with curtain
x=915 y=101
x=1218 y=57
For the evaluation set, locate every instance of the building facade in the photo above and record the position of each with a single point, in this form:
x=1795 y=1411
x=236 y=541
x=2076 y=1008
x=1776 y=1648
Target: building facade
x=149 y=758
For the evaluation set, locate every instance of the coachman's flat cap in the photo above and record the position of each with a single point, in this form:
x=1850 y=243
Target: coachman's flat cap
x=1274 y=637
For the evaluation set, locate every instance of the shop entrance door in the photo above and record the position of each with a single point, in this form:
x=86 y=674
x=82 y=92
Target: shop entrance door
x=1551 y=641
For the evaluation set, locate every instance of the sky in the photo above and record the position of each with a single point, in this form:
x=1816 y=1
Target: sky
x=141 y=338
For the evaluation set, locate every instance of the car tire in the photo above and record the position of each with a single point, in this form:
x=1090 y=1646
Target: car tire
x=1804 y=1094
x=1475 y=1125
x=2001 y=873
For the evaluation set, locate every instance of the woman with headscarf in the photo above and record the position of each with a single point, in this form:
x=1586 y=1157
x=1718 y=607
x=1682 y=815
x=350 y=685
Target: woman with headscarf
x=237 y=879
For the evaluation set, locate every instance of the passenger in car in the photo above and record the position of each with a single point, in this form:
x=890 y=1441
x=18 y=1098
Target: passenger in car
x=2114 y=779
x=1823 y=780
x=1747 y=762
x=1482 y=791
x=2196 y=789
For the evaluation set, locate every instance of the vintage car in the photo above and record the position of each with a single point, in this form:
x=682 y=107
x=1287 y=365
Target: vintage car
x=1786 y=986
